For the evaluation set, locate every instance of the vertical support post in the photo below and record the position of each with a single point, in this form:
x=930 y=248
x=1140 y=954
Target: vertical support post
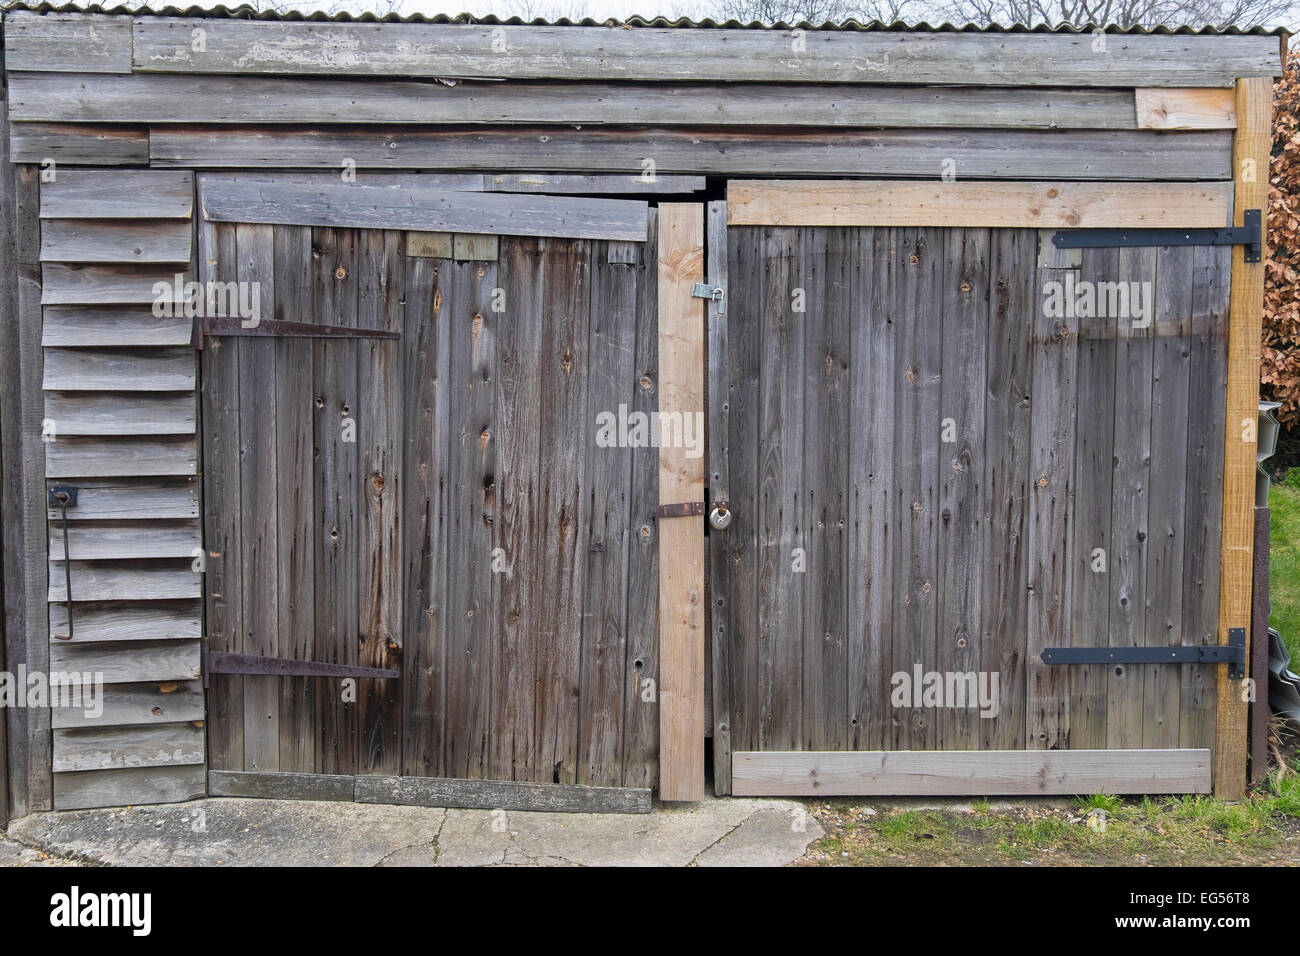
x=719 y=491
x=1250 y=159
x=681 y=479
x=1258 y=660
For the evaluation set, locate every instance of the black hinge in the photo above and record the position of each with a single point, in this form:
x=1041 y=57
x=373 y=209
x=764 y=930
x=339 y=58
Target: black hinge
x=1249 y=234
x=233 y=325
x=1233 y=654
x=221 y=662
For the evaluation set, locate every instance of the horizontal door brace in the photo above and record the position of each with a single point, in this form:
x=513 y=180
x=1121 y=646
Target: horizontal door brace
x=222 y=662
x=1233 y=654
x=1249 y=234
x=233 y=325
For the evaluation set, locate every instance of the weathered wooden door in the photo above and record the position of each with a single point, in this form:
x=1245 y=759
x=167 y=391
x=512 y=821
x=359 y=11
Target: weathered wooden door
x=942 y=457
x=437 y=503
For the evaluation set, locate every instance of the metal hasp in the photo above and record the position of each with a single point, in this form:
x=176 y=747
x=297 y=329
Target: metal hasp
x=1233 y=654
x=684 y=510
x=233 y=325
x=64 y=497
x=1249 y=234
x=221 y=662
x=714 y=293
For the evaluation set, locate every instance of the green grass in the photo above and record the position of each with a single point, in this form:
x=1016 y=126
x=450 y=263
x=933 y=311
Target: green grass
x=1284 y=561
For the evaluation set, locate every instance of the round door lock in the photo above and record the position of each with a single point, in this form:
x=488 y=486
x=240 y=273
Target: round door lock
x=720 y=516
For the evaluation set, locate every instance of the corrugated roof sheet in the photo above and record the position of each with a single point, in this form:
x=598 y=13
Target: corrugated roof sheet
x=245 y=12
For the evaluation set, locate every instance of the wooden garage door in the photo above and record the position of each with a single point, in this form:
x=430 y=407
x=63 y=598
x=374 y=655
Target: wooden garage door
x=436 y=504
x=931 y=472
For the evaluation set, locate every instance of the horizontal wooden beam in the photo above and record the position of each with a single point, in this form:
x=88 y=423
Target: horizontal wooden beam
x=118 y=194
x=499 y=795
x=125 y=705
x=280 y=786
x=1186 y=109
x=968 y=203
x=354 y=205
x=968 y=772
x=78 y=144
x=925 y=154
x=109 y=240
x=135 y=787
x=167 y=98
x=85 y=43
x=116 y=748
x=561 y=183
x=167 y=45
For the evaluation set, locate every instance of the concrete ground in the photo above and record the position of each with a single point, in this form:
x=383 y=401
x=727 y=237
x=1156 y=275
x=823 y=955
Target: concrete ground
x=229 y=832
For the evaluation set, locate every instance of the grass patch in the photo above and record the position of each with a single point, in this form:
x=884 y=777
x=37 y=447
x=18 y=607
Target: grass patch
x=1284 y=560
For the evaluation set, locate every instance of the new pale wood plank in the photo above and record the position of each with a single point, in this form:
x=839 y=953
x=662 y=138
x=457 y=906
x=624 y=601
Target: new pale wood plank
x=79 y=144
x=113 y=326
x=143 y=370
x=110 y=581
x=151 y=621
x=970 y=773
x=99 y=413
x=77 y=42
x=1185 y=108
x=135 y=787
x=118 y=748
x=102 y=540
x=681 y=479
x=71 y=240
x=125 y=705
x=230 y=199
x=1251 y=150
x=1059 y=205
x=851 y=56
x=118 y=194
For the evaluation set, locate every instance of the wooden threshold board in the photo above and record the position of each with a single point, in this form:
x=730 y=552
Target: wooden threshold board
x=968 y=772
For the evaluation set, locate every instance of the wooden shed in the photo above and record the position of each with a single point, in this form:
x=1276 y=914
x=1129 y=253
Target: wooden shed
x=480 y=413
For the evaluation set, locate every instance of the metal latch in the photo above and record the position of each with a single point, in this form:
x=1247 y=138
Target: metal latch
x=1248 y=234
x=684 y=509
x=714 y=293
x=1233 y=654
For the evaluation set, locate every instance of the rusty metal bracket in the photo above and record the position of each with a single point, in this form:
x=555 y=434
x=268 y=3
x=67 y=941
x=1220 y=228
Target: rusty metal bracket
x=233 y=325
x=687 y=509
x=222 y=662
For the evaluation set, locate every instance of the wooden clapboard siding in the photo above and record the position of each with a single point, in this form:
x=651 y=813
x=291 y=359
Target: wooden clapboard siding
x=127 y=705
x=247 y=46
x=134 y=787
x=1185 y=109
x=79 y=144
x=965 y=203
x=117 y=748
x=134 y=499
x=59 y=41
x=1102 y=155
x=131 y=662
x=120 y=194
x=118 y=413
x=152 y=621
x=143 y=370
x=102 y=540
x=561 y=183
x=119 y=581
x=229 y=199
x=75 y=284
x=120 y=458
x=144 y=98
x=991 y=773
x=71 y=240
x=115 y=326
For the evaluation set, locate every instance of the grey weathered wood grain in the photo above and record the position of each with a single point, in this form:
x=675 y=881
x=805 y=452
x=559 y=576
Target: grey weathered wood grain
x=1063 y=772
x=562 y=183
x=12 y=596
x=118 y=327
x=167 y=98
x=1013 y=154
x=118 y=194
x=108 y=240
x=125 y=705
x=719 y=545
x=500 y=795
x=230 y=199
x=148 y=621
x=78 y=144
x=99 y=413
x=118 y=748
x=280 y=786
x=142 y=370
x=120 y=458
x=134 y=662
x=135 y=787
x=124 y=582
x=116 y=284
x=134 y=499
x=84 y=43
x=527 y=52
x=104 y=540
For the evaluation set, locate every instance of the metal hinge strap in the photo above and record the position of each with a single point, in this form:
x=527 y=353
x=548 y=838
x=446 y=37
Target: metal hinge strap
x=233 y=325
x=1233 y=654
x=1248 y=234
x=687 y=509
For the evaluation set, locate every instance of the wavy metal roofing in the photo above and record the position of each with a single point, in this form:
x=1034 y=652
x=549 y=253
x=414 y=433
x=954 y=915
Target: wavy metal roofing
x=245 y=12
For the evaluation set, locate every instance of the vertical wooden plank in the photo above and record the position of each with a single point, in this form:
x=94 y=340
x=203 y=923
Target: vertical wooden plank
x=557 y=564
x=720 y=543
x=515 y=643
x=425 y=356
x=380 y=282
x=1250 y=156
x=258 y=479
x=1173 y=290
x=338 y=426
x=607 y=486
x=783 y=561
x=829 y=260
x=1130 y=507
x=681 y=478
x=1207 y=405
x=872 y=470
x=965 y=318
x=472 y=434
x=641 y=673
x=222 y=508
x=922 y=271
x=1007 y=416
x=1094 y=447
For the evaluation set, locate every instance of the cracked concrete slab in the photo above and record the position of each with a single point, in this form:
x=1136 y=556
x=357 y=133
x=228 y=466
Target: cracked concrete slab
x=235 y=832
